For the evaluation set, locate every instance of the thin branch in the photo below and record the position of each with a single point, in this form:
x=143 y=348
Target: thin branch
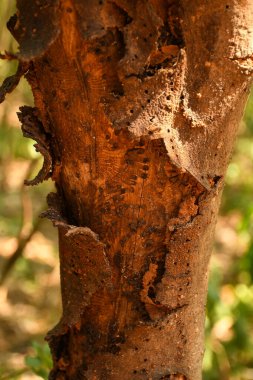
x=8 y=56
x=22 y=243
x=27 y=230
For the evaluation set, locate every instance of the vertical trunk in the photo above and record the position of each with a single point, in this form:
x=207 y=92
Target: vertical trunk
x=137 y=108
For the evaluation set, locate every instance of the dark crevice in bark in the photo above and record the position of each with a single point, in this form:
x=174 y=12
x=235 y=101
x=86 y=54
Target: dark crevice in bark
x=174 y=376
x=121 y=13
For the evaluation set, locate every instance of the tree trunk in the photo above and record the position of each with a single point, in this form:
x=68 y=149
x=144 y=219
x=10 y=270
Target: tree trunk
x=137 y=107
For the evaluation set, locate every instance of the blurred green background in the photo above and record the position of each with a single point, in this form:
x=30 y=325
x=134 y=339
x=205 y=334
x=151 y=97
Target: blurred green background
x=29 y=269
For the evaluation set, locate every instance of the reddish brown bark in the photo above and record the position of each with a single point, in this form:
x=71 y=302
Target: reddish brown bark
x=139 y=101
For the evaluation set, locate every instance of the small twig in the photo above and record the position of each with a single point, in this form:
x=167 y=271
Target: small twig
x=11 y=82
x=19 y=250
x=26 y=230
x=8 y=56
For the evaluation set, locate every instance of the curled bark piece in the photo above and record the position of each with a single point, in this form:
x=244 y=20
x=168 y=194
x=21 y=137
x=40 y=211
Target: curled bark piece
x=32 y=128
x=8 y=56
x=10 y=83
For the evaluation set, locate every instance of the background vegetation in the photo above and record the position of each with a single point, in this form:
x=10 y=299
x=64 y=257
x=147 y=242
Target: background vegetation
x=29 y=291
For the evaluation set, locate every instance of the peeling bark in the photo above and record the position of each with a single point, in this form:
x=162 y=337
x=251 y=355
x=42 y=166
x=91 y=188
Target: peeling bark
x=140 y=101
x=33 y=128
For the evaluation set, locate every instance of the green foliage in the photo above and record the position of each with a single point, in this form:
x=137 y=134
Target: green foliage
x=40 y=363
x=229 y=333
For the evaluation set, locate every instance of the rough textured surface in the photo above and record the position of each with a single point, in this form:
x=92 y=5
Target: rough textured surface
x=35 y=26
x=140 y=101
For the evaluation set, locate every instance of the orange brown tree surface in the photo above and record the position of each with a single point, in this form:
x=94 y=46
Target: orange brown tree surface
x=137 y=104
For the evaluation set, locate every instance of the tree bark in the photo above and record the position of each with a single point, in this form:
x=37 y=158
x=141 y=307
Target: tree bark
x=137 y=107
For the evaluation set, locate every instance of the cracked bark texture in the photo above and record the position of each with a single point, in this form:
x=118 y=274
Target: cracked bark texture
x=140 y=102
